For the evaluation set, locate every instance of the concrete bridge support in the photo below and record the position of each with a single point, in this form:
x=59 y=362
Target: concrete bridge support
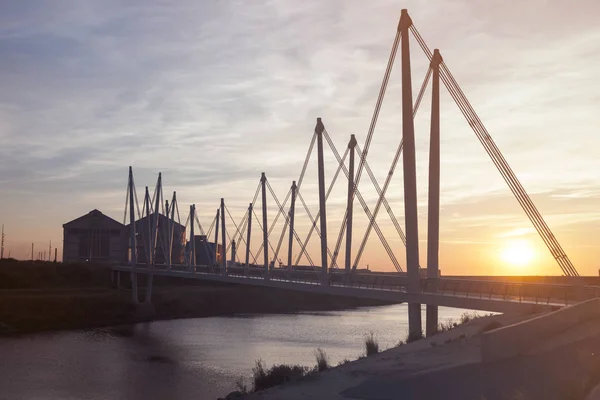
x=319 y=128
x=133 y=241
x=433 y=212
x=216 y=237
x=349 y=207
x=223 y=240
x=263 y=184
x=247 y=265
x=410 y=180
x=291 y=237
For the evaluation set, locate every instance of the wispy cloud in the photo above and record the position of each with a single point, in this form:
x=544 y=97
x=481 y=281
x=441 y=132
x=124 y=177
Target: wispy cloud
x=214 y=93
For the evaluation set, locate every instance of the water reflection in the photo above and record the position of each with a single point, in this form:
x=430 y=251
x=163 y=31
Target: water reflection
x=191 y=358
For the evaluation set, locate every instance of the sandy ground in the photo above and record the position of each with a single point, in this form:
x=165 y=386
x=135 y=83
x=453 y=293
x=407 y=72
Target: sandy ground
x=448 y=366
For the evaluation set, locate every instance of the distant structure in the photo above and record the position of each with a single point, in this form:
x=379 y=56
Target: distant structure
x=2 y=245
x=205 y=250
x=95 y=237
x=143 y=227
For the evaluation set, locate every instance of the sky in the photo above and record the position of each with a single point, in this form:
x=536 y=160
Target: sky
x=213 y=93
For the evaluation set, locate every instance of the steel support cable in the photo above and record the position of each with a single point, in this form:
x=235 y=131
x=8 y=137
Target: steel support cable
x=262 y=246
x=307 y=158
x=380 y=97
x=238 y=231
x=239 y=237
x=279 y=212
x=287 y=219
x=388 y=179
x=304 y=244
x=212 y=225
x=318 y=213
x=230 y=241
x=377 y=230
x=204 y=243
x=503 y=166
x=208 y=234
x=126 y=204
x=365 y=208
x=314 y=221
x=374 y=181
x=525 y=200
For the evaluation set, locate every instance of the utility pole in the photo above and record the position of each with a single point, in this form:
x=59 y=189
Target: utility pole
x=55 y=253
x=50 y=250
x=31 y=251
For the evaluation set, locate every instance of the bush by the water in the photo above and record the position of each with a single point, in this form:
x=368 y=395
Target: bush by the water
x=276 y=375
x=322 y=363
x=371 y=345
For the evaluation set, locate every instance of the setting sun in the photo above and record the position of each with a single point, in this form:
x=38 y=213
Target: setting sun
x=518 y=253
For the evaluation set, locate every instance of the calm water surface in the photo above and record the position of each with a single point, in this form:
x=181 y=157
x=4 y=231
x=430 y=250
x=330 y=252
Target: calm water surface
x=186 y=359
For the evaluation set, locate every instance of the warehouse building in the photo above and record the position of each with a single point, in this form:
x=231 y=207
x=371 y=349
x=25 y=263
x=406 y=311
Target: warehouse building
x=95 y=237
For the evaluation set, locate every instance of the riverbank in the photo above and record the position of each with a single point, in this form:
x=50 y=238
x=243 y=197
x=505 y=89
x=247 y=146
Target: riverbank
x=38 y=296
x=449 y=366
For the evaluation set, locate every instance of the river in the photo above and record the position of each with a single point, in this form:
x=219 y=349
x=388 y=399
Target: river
x=197 y=358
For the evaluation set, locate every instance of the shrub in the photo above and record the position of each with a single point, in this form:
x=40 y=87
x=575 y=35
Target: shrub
x=371 y=345
x=321 y=356
x=344 y=361
x=446 y=326
x=468 y=316
x=276 y=375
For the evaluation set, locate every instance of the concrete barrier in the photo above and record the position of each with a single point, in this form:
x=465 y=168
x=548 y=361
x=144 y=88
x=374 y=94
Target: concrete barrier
x=512 y=340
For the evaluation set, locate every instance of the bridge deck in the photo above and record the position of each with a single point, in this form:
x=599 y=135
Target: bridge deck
x=477 y=295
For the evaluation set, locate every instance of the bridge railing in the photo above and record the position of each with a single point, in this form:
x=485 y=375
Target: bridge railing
x=541 y=293
x=514 y=291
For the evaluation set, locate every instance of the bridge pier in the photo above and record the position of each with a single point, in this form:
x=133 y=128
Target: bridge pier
x=192 y=252
x=410 y=181
x=216 y=239
x=349 y=208
x=223 y=239
x=291 y=236
x=132 y=238
x=319 y=128
x=247 y=266
x=433 y=212
x=263 y=183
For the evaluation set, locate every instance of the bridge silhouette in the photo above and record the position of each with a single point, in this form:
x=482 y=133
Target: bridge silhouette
x=330 y=274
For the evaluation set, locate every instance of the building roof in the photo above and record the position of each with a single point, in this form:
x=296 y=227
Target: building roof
x=93 y=217
x=161 y=219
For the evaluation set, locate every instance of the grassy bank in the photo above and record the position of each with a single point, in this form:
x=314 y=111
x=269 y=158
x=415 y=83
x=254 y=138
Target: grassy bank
x=36 y=296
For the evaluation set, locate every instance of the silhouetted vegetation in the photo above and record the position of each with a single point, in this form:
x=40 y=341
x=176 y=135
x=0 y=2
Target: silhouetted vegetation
x=48 y=295
x=276 y=375
x=322 y=363
x=371 y=345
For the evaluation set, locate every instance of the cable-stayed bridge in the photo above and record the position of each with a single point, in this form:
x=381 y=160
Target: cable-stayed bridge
x=333 y=270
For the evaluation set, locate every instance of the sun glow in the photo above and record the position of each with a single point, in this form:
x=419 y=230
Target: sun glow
x=518 y=253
